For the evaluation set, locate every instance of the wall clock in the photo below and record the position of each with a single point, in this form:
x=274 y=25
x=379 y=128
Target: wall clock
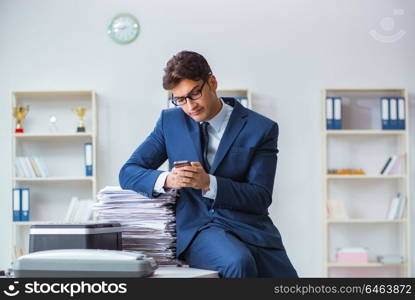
x=124 y=28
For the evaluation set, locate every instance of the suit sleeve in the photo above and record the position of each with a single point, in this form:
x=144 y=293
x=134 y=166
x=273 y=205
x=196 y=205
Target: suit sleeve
x=255 y=195
x=140 y=172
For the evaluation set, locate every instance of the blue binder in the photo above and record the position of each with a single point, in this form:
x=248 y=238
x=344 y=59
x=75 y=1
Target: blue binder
x=401 y=113
x=16 y=200
x=329 y=113
x=25 y=204
x=337 y=112
x=393 y=113
x=384 y=113
x=88 y=159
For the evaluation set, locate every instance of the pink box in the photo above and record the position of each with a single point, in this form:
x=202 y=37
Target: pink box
x=352 y=258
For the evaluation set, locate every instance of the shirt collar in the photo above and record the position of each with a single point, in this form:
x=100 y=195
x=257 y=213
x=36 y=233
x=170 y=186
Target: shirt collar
x=217 y=121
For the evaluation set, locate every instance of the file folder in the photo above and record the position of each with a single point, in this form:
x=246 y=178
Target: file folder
x=401 y=113
x=25 y=204
x=16 y=205
x=329 y=113
x=384 y=110
x=88 y=159
x=337 y=113
x=393 y=107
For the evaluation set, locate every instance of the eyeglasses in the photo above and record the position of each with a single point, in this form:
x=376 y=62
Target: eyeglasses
x=193 y=95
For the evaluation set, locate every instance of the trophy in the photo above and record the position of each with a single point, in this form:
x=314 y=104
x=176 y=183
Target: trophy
x=20 y=112
x=80 y=111
x=52 y=124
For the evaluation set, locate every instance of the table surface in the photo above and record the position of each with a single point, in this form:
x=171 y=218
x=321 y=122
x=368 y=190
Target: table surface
x=183 y=272
x=179 y=272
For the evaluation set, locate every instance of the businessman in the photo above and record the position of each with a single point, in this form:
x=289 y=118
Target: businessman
x=222 y=220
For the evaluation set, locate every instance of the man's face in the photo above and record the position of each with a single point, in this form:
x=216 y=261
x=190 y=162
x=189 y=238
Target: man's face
x=203 y=108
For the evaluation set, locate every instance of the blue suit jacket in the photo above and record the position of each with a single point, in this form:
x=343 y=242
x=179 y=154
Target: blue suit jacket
x=244 y=166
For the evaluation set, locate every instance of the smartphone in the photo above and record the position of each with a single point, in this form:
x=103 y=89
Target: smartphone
x=181 y=163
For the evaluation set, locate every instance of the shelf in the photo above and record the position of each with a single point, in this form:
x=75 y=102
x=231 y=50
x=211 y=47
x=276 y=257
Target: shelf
x=368 y=90
x=51 y=135
x=30 y=223
x=55 y=179
x=366 y=177
x=366 y=221
x=53 y=93
x=366 y=265
x=365 y=132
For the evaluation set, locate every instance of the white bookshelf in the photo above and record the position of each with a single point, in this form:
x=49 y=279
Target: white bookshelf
x=363 y=144
x=62 y=152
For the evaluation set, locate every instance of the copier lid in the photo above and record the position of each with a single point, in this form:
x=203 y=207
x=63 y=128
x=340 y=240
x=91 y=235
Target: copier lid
x=75 y=228
x=85 y=259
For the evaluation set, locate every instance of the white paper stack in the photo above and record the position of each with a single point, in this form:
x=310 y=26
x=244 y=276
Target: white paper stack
x=149 y=224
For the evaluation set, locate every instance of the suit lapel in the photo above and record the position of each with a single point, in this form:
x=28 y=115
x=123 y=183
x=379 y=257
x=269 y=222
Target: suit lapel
x=194 y=133
x=236 y=123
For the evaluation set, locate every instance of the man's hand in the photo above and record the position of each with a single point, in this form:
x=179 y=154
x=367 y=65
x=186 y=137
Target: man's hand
x=193 y=176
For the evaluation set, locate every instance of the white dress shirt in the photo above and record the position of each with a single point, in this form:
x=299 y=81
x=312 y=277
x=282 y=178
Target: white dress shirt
x=216 y=130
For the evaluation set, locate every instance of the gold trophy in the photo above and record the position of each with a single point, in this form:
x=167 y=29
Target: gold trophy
x=80 y=111
x=20 y=112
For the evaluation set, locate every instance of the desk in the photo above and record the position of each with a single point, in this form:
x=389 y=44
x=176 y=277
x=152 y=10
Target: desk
x=178 y=272
x=183 y=272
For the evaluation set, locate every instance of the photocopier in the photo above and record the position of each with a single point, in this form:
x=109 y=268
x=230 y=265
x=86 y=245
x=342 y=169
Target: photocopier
x=80 y=250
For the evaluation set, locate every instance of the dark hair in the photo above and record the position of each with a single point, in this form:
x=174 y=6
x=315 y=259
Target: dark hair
x=185 y=65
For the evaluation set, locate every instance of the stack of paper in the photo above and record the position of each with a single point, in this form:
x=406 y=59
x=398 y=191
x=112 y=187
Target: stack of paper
x=149 y=224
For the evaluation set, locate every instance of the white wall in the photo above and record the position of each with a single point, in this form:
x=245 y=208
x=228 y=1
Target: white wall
x=284 y=51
